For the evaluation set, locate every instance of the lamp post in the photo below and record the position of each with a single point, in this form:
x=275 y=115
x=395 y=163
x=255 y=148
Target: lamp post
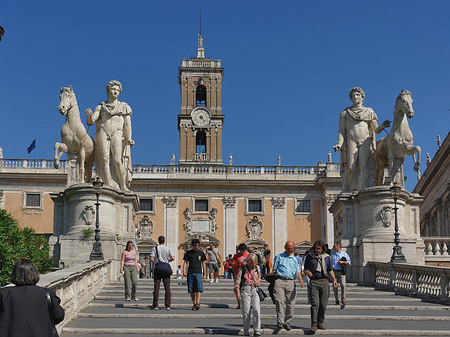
x=97 y=253
x=397 y=255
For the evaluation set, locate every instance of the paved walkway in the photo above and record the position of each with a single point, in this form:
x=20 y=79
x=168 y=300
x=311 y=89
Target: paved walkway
x=369 y=312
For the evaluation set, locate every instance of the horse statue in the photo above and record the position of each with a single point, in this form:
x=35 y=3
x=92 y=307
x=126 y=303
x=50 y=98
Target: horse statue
x=392 y=149
x=75 y=139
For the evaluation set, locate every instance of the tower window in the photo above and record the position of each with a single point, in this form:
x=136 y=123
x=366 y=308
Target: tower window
x=200 y=142
x=200 y=95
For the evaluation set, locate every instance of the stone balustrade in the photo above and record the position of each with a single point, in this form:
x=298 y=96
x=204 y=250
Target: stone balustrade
x=421 y=281
x=144 y=171
x=77 y=286
x=436 y=246
x=30 y=163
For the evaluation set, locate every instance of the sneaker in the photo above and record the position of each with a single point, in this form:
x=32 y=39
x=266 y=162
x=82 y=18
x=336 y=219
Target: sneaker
x=154 y=308
x=135 y=299
x=127 y=299
x=321 y=326
x=212 y=281
x=287 y=326
x=216 y=280
x=167 y=308
x=257 y=333
x=314 y=328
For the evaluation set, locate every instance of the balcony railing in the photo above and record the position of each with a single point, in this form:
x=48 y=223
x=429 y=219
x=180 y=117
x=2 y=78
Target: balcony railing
x=421 y=281
x=436 y=246
x=30 y=163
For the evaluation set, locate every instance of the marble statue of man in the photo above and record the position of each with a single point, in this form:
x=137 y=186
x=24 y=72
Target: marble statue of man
x=113 y=138
x=356 y=141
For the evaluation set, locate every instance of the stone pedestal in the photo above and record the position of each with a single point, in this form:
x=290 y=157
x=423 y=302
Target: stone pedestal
x=364 y=223
x=74 y=216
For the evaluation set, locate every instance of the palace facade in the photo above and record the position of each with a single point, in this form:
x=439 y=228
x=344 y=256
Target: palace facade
x=200 y=196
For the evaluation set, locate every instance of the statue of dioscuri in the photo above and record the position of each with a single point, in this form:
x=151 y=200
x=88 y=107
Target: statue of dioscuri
x=392 y=149
x=75 y=139
x=113 y=138
x=356 y=141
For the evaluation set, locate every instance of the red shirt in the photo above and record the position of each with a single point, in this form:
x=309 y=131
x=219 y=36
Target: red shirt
x=238 y=257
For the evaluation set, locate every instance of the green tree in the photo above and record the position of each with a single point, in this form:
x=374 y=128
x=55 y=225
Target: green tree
x=16 y=243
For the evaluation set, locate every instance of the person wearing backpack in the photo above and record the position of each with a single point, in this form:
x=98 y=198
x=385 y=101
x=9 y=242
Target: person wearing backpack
x=248 y=279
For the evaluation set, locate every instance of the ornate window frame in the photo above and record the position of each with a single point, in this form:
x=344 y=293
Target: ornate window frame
x=152 y=197
x=311 y=205
x=263 y=206
x=41 y=200
x=209 y=199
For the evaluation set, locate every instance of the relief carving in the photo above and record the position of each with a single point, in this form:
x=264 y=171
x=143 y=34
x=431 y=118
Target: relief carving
x=229 y=202
x=278 y=202
x=89 y=215
x=146 y=228
x=254 y=228
x=386 y=215
x=170 y=201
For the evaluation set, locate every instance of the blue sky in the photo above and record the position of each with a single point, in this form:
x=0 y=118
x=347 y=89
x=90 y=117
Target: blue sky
x=288 y=68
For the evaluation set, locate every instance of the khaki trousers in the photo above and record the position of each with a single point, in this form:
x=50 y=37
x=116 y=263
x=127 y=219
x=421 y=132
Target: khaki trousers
x=285 y=293
x=341 y=279
x=130 y=274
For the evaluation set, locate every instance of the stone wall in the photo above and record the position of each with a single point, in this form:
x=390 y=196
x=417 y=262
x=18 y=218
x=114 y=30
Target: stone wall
x=77 y=286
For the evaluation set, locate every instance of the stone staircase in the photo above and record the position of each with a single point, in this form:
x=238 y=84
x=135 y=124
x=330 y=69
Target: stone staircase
x=369 y=312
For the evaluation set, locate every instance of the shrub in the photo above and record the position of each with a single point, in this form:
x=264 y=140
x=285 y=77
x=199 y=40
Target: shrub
x=16 y=243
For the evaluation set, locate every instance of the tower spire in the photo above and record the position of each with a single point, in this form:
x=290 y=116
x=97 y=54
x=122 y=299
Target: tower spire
x=200 y=49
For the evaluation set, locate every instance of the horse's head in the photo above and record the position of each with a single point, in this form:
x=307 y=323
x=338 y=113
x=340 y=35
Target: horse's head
x=404 y=103
x=67 y=100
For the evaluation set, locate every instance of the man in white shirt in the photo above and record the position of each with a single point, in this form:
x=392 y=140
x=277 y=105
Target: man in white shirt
x=161 y=253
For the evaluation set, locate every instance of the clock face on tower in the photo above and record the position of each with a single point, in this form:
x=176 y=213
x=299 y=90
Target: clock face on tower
x=200 y=117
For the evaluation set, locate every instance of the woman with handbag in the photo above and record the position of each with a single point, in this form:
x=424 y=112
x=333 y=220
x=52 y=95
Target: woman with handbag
x=130 y=269
x=24 y=310
x=247 y=283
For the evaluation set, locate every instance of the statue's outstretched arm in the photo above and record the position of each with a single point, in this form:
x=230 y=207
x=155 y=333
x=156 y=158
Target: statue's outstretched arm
x=91 y=117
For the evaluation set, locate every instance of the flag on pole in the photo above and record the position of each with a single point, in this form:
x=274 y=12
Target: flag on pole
x=32 y=146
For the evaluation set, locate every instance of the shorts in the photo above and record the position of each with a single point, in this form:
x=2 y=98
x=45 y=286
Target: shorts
x=213 y=267
x=194 y=282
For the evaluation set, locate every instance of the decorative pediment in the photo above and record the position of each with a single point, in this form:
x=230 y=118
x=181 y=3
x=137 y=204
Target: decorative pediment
x=200 y=225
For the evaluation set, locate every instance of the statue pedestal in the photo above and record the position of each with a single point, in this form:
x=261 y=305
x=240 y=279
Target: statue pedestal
x=364 y=223
x=74 y=220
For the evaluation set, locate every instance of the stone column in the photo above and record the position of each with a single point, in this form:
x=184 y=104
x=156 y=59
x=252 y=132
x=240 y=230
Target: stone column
x=327 y=218
x=279 y=225
x=230 y=226
x=171 y=226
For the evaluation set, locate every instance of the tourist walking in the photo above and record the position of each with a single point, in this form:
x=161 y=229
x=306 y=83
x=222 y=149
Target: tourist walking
x=267 y=261
x=339 y=261
x=130 y=269
x=164 y=254
x=26 y=309
x=227 y=270
x=236 y=264
x=195 y=262
x=248 y=279
x=213 y=257
x=144 y=265
x=285 y=289
x=318 y=268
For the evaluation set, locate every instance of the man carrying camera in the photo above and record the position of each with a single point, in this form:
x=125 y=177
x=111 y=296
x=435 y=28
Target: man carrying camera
x=340 y=260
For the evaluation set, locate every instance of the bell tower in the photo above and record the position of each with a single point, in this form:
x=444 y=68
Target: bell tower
x=200 y=121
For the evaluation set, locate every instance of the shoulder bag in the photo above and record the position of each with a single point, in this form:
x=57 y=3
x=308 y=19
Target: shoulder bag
x=162 y=268
x=262 y=295
x=50 y=311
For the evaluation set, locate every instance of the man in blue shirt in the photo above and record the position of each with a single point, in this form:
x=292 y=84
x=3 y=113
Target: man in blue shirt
x=285 y=291
x=340 y=260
